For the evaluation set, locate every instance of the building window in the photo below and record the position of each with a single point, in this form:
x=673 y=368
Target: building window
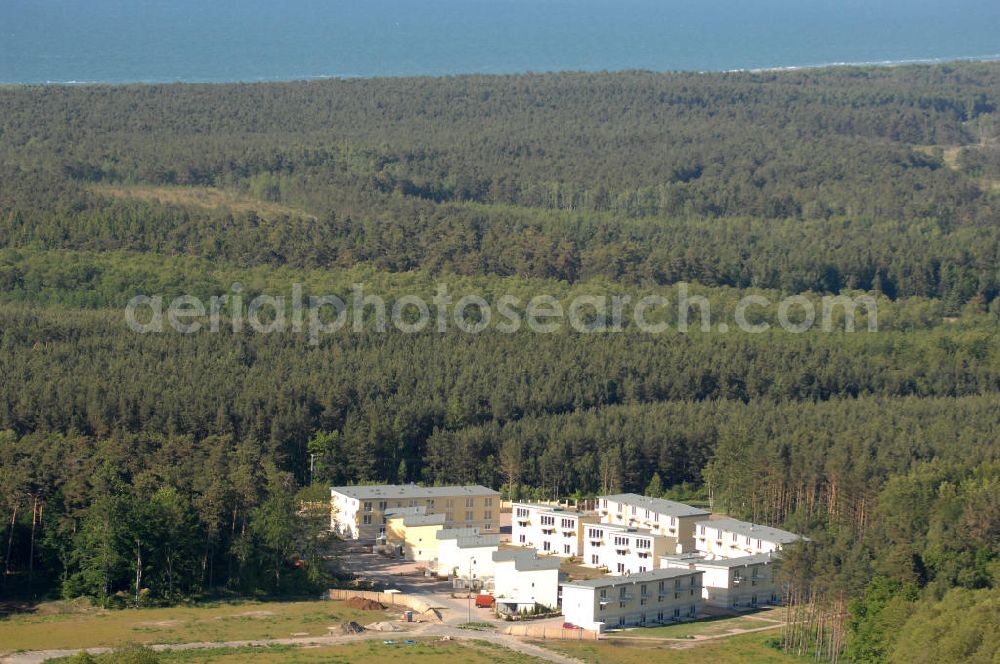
x=449 y=516
x=449 y=503
x=488 y=502
x=569 y=524
x=693 y=610
x=430 y=504
x=594 y=559
x=546 y=546
x=522 y=513
x=469 y=502
x=548 y=520
x=368 y=506
x=621 y=570
x=521 y=538
x=488 y=514
x=381 y=506
x=468 y=515
x=566 y=549
x=367 y=520
x=677 y=613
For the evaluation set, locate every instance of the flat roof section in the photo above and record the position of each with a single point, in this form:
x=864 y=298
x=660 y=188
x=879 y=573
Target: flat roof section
x=754 y=530
x=639 y=577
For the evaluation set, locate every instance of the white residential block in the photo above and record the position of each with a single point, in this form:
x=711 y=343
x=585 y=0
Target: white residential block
x=733 y=583
x=523 y=579
x=651 y=598
x=622 y=550
x=550 y=530
x=663 y=517
x=730 y=538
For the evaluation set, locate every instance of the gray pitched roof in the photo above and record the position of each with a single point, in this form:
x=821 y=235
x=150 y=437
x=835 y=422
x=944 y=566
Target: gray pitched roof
x=379 y=491
x=455 y=533
x=658 y=505
x=754 y=530
x=477 y=541
x=412 y=520
x=700 y=560
x=652 y=575
x=403 y=511
x=526 y=559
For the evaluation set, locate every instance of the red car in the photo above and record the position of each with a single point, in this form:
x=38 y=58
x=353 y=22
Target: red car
x=570 y=626
x=485 y=601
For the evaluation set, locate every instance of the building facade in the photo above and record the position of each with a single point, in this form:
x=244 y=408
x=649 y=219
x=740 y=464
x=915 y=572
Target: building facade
x=468 y=557
x=622 y=550
x=730 y=538
x=359 y=512
x=550 y=530
x=662 y=517
x=734 y=583
x=414 y=535
x=650 y=598
x=523 y=580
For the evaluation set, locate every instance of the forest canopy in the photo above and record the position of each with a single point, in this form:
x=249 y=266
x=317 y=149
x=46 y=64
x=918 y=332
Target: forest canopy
x=184 y=460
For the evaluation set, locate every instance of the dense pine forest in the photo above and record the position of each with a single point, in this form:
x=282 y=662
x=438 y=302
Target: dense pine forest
x=149 y=468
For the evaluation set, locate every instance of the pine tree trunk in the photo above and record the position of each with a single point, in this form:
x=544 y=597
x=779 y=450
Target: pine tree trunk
x=31 y=548
x=10 y=541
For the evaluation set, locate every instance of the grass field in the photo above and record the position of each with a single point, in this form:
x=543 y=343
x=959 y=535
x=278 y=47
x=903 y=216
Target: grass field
x=81 y=628
x=423 y=652
x=706 y=627
x=209 y=198
x=744 y=649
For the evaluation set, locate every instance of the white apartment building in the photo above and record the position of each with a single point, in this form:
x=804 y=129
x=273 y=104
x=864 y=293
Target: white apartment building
x=358 y=512
x=523 y=580
x=551 y=530
x=730 y=538
x=655 y=597
x=468 y=557
x=733 y=583
x=663 y=517
x=622 y=550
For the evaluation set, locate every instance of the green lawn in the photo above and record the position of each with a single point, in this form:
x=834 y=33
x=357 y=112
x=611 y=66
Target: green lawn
x=423 y=652
x=744 y=649
x=212 y=622
x=706 y=627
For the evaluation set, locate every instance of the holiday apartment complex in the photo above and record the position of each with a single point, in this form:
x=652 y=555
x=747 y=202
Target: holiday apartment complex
x=359 y=512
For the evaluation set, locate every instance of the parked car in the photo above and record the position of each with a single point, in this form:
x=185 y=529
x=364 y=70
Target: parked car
x=570 y=626
x=485 y=601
